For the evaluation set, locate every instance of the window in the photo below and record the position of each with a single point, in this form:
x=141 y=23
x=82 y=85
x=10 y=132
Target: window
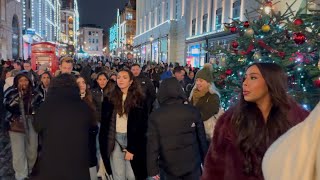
x=168 y=10
x=97 y=48
x=236 y=9
x=159 y=14
x=152 y=18
x=89 y=33
x=129 y=16
x=218 y=18
x=89 y=40
x=194 y=21
x=204 y=23
x=177 y=9
x=97 y=41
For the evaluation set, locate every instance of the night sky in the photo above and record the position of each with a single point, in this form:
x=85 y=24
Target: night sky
x=100 y=12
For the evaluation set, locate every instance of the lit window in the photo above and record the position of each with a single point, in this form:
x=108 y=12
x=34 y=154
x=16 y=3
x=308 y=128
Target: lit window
x=129 y=16
x=218 y=18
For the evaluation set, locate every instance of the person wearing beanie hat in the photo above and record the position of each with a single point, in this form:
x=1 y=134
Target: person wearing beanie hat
x=176 y=151
x=205 y=97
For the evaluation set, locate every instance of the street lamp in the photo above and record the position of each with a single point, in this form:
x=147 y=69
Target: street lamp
x=151 y=39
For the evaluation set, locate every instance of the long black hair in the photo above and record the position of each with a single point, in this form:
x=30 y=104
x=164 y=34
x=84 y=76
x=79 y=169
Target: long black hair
x=252 y=137
x=134 y=96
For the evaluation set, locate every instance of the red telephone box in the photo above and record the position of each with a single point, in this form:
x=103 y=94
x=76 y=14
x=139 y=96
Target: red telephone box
x=44 y=53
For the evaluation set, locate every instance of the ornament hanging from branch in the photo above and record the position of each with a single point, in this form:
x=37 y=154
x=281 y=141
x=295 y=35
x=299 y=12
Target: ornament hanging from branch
x=265 y=28
x=298 y=22
x=246 y=24
x=299 y=38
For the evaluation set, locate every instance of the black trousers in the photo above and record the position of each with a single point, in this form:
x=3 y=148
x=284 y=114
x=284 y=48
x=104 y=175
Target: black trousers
x=195 y=175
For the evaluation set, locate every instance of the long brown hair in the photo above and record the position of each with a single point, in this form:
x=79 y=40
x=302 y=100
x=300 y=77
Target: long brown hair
x=134 y=96
x=252 y=137
x=88 y=98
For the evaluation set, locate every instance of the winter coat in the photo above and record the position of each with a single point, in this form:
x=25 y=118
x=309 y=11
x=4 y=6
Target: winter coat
x=42 y=90
x=93 y=132
x=8 y=83
x=208 y=105
x=225 y=161
x=174 y=91
x=148 y=90
x=34 y=78
x=97 y=94
x=64 y=121
x=296 y=154
x=166 y=75
x=176 y=140
x=136 y=135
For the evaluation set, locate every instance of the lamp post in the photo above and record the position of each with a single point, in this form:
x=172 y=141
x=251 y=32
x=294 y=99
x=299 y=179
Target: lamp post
x=151 y=39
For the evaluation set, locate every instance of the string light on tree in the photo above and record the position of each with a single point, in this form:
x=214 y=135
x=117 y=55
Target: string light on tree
x=267 y=7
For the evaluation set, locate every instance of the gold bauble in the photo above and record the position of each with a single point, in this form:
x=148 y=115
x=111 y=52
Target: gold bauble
x=249 y=32
x=265 y=28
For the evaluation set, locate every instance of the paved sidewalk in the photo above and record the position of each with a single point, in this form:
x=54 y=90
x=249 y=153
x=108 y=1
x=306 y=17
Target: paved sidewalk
x=6 y=171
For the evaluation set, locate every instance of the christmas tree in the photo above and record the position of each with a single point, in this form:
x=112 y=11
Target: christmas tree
x=290 y=39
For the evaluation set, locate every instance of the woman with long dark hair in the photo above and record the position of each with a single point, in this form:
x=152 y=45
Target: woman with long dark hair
x=244 y=133
x=123 y=130
x=86 y=96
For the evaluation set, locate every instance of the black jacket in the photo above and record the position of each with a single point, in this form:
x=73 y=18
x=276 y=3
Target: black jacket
x=176 y=140
x=136 y=133
x=97 y=95
x=148 y=90
x=11 y=103
x=64 y=120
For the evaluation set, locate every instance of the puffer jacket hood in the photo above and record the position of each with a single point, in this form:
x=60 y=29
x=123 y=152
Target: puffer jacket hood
x=20 y=75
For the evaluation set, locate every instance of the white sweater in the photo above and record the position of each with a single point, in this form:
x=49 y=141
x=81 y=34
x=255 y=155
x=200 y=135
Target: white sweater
x=296 y=154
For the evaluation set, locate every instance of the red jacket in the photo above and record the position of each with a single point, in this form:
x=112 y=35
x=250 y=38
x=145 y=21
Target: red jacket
x=225 y=161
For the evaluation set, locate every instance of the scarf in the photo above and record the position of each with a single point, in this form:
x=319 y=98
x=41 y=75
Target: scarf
x=197 y=95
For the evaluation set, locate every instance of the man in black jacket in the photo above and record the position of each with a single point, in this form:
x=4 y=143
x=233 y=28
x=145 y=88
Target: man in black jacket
x=146 y=84
x=176 y=137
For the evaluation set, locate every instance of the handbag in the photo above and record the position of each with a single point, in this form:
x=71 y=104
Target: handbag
x=210 y=124
x=16 y=125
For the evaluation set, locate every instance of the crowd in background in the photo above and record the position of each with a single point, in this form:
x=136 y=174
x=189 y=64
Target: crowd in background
x=132 y=121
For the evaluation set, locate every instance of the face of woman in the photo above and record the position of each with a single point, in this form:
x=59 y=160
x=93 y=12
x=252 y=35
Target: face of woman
x=102 y=81
x=123 y=80
x=202 y=84
x=45 y=79
x=254 y=86
x=82 y=85
x=23 y=83
x=8 y=74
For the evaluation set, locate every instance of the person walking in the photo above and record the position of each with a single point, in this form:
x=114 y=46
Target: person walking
x=243 y=133
x=63 y=119
x=123 y=130
x=176 y=151
x=21 y=102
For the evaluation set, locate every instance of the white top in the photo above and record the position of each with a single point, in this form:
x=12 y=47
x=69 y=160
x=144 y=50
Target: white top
x=122 y=122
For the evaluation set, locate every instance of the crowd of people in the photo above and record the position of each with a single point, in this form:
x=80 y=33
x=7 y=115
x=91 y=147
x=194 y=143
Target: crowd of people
x=123 y=120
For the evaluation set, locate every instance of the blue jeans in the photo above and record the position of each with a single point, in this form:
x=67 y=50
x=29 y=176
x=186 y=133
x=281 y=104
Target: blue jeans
x=121 y=169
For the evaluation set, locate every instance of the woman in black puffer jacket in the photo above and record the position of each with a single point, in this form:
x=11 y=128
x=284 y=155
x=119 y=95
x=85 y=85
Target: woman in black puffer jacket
x=98 y=91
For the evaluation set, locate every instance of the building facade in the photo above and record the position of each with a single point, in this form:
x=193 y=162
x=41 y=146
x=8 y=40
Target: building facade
x=69 y=27
x=160 y=31
x=91 y=40
x=41 y=22
x=127 y=29
x=10 y=29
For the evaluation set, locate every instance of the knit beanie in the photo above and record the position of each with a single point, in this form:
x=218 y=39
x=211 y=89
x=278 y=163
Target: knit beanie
x=205 y=73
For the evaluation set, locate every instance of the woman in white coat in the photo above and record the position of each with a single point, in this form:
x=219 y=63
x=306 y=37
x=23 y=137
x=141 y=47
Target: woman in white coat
x=296 y=154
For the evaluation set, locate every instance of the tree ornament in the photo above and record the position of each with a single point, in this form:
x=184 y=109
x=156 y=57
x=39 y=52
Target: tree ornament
x=265 y=28
x=257 y=55
x=308 y=29
x=246 y=24
x=249 y=32
x=267 y=7
x=235 y=44
x=317 y=82
x=233 y=29
x=298 y=22
x=228 y=72
x=299 y=38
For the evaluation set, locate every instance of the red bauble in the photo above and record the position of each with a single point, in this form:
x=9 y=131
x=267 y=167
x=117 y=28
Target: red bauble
x=299 y=38
x=317 y=83
x=246 y=24
x=228 y=72
x=233 y=29
x=268 y=4
x=298 y=22
x=235 y=44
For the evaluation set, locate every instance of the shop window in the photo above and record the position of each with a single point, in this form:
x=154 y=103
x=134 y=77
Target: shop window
x=236 y=9
x=193 y=31
x=204 y=23
x=218 y=18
